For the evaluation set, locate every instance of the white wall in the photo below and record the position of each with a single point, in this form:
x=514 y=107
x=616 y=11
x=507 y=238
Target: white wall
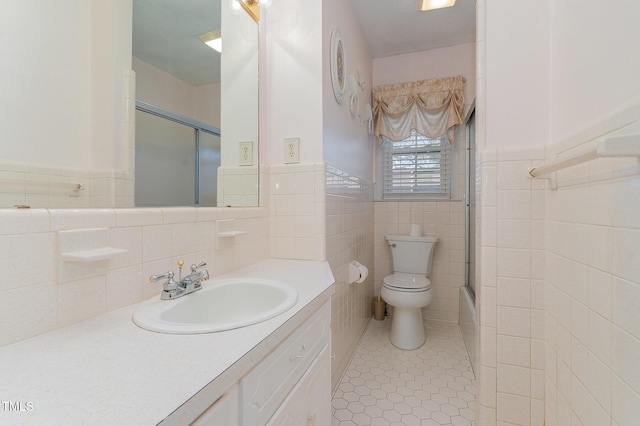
x=293 y=78
x=239 y=82
x=58 y=106
x=517 y=73
x=46 y=82
x=435 y=63
x=595 y=62
x=347 y=143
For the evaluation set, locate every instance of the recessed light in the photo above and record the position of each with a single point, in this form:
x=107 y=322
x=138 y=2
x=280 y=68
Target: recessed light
x=213 y=39
x=424 y=5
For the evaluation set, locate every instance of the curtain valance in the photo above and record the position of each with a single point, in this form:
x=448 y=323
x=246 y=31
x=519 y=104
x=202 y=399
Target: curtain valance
x=431 y=107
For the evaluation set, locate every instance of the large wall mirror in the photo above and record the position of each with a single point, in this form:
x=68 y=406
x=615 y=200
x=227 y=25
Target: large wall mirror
x=196 y=85
x=128 y=106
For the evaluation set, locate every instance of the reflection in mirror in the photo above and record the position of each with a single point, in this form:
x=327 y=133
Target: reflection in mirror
x=176 y=159
x=191 y=86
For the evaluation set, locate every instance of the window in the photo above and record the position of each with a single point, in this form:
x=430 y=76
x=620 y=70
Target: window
x=416 y=167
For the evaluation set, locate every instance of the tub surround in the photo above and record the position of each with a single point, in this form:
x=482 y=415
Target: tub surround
x=106 y=370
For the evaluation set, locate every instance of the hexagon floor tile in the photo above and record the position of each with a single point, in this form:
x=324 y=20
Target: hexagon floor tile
x=384 y=385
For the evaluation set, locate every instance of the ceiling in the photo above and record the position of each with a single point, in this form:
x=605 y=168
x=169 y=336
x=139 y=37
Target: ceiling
x=165 y=32
x=394 y=27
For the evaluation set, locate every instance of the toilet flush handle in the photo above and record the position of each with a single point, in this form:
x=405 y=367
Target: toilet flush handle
x=393 y=245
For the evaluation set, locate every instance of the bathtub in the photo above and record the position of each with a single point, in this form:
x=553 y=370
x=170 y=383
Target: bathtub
x=468 y=322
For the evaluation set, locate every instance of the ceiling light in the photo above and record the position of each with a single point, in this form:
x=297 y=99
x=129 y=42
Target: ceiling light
x=434 y=4
x=213 y=39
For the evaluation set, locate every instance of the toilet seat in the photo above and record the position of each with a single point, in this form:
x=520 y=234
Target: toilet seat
x=406 y=282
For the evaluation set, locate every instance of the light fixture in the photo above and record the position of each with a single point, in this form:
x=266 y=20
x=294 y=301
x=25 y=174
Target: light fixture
x=424 y=5
x=252 y=7
x=213 y=39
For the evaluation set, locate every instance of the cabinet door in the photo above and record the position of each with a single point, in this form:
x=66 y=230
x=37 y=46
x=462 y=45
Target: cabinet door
x=224 y=411
x=309 y=402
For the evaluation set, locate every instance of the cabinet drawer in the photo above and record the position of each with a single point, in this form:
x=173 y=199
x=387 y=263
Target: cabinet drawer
x=224 y=411
x=264 y=388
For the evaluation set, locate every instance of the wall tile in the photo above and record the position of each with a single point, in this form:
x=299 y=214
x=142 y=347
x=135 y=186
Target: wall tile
x=514 y=204
x=73 y=219
x=138 y=217
x=28 y=311
x=156 y=242
x=23 y=221
x=626 y=254
x=79 y=300
x=124 y=287
x=27 y=255
x=625 y=355
x=514 y=350
x=514 y=321
x=514 y=380
x=625 y=407
x=514 y=409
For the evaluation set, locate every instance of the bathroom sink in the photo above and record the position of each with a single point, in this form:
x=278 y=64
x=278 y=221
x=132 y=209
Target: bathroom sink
x=220 y=305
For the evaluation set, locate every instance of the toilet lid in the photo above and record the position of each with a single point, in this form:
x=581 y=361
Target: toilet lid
x=404 y=281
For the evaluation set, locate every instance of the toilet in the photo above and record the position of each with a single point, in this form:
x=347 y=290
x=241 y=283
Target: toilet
x=408 y=289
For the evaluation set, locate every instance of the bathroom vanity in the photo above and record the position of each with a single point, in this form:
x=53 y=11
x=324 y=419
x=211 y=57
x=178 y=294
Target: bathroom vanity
x=107 y=370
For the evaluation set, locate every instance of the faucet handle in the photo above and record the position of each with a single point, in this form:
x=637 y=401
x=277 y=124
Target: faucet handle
x=169 y=285
x=195 y=267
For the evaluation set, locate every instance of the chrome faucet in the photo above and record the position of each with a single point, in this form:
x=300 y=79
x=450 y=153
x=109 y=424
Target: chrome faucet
x=172 y=289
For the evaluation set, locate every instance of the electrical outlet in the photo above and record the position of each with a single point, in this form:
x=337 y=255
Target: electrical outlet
x=246 y=154
x=292 y=150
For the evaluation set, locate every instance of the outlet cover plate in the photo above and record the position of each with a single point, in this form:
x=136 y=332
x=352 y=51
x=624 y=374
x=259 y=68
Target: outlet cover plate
x=246 y=154
x=291 y=150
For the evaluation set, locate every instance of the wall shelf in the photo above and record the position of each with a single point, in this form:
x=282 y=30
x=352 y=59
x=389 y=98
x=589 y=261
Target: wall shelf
x=85 y=253
x=226 y=233
x=231 y=234
x=93 y=255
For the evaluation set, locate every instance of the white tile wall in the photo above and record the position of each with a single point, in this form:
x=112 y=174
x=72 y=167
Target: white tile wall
x=559 y=290
x=349 y=231
x=33 y=302
x=297 y=210
x=237 y=185
x=444 y=219
x=47 y=187
x=592 y=289
x=510 y=290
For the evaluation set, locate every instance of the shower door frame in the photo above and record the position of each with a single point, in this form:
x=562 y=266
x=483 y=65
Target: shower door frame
x=470 y=199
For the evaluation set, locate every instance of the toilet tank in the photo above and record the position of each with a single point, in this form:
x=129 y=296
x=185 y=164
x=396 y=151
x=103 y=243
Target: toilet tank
x=412 y=255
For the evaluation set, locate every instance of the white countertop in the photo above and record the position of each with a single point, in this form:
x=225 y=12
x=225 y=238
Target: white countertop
x=106 y=370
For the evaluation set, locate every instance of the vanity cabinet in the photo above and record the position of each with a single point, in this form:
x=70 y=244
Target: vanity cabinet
x=290 y=386
x=278 y=377
x=224 y=411
x=308 y=401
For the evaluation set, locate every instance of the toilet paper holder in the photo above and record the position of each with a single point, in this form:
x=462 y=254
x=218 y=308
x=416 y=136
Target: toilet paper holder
x=357 y=272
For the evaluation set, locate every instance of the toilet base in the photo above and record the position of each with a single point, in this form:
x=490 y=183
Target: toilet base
x=407 y=328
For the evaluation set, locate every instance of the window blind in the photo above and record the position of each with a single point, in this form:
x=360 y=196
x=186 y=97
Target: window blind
x=417 y=167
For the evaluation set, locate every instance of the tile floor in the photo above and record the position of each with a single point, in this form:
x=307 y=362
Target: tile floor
x=383 y=385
